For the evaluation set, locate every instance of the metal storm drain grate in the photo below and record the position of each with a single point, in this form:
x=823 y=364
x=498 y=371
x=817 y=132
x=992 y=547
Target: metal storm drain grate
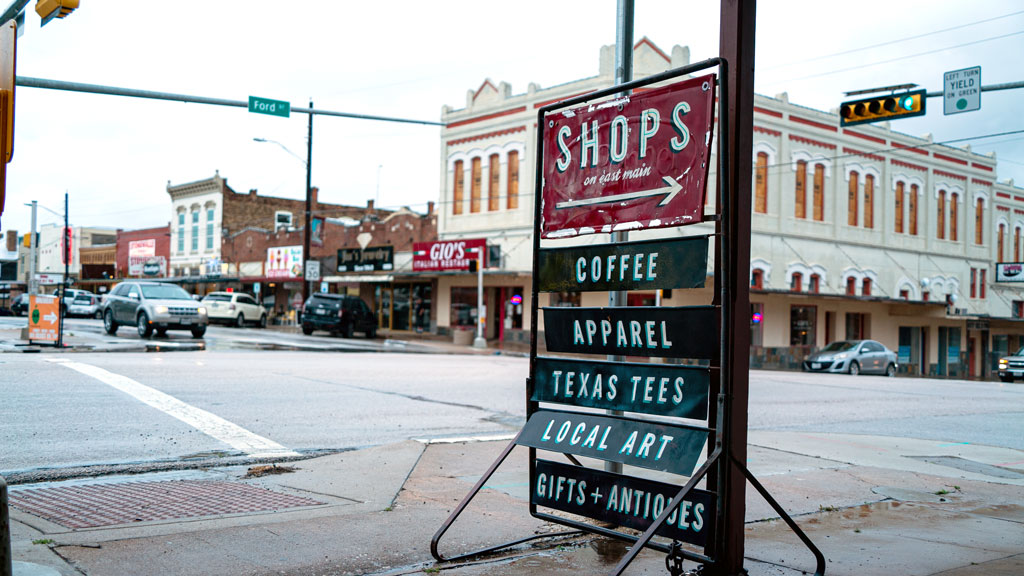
x=90 y=506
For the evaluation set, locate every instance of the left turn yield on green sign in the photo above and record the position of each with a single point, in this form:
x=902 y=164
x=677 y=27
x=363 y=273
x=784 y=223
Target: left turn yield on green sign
x=269 y=107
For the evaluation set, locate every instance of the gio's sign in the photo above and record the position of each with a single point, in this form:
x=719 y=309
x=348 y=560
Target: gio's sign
x=448 y=254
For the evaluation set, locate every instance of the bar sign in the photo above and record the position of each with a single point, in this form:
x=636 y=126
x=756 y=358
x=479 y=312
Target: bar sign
x=269 y=107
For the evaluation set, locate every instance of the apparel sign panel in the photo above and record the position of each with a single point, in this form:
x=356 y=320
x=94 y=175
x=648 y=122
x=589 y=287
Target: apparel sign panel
x=648 y=265
x=633 y=162
x=657 y=389
x=622 y=500
x=652 y=331
x=650 y=445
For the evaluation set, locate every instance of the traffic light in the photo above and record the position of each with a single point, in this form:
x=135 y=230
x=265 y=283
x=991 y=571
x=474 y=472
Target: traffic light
x=473 y=264
x=50 y=9
x=878 y=108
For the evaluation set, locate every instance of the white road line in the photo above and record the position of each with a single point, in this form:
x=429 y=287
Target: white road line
x=210 y=424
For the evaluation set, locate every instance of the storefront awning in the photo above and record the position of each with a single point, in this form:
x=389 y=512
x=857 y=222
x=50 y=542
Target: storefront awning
x=356 y=278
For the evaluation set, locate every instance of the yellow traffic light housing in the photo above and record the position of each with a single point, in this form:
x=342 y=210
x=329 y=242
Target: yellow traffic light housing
x=50 y=9
x=878 y=108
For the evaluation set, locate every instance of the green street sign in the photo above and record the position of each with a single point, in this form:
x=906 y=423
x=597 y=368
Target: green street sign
x=269 y=107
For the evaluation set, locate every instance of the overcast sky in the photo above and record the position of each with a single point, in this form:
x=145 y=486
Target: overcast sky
x=115 y=155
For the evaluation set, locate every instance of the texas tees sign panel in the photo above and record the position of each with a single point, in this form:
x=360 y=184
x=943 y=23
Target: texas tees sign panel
x=634 y=162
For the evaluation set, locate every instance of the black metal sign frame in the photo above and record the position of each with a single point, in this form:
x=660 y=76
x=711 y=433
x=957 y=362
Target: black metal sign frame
x=634 y=332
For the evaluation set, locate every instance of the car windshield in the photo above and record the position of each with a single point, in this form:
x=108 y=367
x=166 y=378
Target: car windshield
x=841 y=346
x=165 y=292
x=217 y=298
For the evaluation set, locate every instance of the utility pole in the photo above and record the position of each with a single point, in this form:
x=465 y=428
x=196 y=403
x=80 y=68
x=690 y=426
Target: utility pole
x=307 y=229
x=480 y=341
x=66 y=250
x=33 y=287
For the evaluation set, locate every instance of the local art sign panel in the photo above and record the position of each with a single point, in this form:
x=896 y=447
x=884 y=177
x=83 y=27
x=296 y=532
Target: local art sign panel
x=657 y=389
x=371 y=259
x=649 y=265
x=650 y=445
x=622 y=500
x=634 y=162
x=448 y=255
x=650 y=331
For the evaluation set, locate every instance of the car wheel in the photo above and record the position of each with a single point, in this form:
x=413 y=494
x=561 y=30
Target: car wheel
x=198 y=331
x=145 y=328
x=854 y=368
x=307 y=330
x=1006 y=378
x=348 y=330
x=371 y=332
x=99 y=315
x=240 y=321
x=109 y=324
x=890 y=371
x=263 y=321
x=161 y=332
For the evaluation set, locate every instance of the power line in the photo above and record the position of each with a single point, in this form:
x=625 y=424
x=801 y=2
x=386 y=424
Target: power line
x=891 y=42
x=898 y=58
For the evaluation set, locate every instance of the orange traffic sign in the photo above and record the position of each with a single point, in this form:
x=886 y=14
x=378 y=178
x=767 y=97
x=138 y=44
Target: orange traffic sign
x=43 y=318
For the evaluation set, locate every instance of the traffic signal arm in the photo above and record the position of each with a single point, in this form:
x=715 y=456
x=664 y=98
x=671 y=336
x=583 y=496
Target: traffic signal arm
x=879 y=108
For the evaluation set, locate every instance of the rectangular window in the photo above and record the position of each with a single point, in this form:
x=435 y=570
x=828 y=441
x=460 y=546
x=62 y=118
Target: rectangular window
x=463 y=312
x=282 y=220
x=865 y=287
x=856 y=326
x=954 y=217
x=1018 y=308
x=819 y=192
x=195 y=231
x=869 y=201
x=802 y=323
x=974 y=280
x=458 y=182
x=181 y=232
x=1016 y=245
x=513 y=180
x=852 y=197
x=899 y=208
x=796 y=282
x=761 y=184
x=913 y=209
x=979 y=212
x=494 y=186
x=757 y=279
x=851 y=286
x=940 y=223
x=209 y=228
x=474 y=186
x=981 y=284
x=801 y=190
x=815 y=284
x=999 y=242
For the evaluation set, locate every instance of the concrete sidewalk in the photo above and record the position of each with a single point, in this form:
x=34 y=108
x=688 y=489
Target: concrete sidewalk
x=874 y=505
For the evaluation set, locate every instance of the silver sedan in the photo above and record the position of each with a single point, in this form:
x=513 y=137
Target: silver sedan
x=853 y=357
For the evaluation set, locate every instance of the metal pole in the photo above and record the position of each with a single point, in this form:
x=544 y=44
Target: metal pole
x=307 y=230
x=6 y=561
x=33 y=287
x=480 y=341
x=13 y=10
x=736 y=45
x=623 y=74
x=66 y=250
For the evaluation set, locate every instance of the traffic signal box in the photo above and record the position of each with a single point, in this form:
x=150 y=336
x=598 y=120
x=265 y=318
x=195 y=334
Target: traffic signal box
x=50 y=9
x=879 y=108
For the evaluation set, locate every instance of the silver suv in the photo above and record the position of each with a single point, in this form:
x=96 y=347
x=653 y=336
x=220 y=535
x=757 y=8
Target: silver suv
x=153 y=306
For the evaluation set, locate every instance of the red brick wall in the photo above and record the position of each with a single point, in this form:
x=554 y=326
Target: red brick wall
x=162 y=235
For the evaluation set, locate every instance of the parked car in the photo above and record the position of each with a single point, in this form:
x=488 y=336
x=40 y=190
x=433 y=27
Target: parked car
x=853 y=357
x=20 y=305
x=338 y=313
x=153 y=306
x=1012 y=366
x=85 y=304
x=234 y=308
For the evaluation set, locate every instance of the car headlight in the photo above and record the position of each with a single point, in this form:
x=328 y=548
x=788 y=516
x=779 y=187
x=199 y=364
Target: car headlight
x=841 y=356
x=1003 y=362
x=201 y=309
x=160 y=309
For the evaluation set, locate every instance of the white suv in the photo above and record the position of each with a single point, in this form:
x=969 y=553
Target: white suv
x=234 y=308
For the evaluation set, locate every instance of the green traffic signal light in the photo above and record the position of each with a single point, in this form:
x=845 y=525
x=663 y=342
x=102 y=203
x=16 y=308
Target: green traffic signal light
x=879 y=108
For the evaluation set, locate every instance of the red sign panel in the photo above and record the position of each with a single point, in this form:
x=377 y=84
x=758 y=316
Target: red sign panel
x=448 y=254
x=629 y=163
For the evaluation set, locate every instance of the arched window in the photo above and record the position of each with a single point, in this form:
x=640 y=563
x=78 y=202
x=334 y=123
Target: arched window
x=899 y=208
x=513 y=180
x=458 y=182
x=869 y=200
x=865 y=287
x=796 y=283
x=494 y=184
x=757 y=279
x=815 y=284
x=851 y=286
x=474 y=186
x=913 y=209
x=852 y=197
x=940 y=223
x=954 y=216
x=819 y=192
x=801 y=190
x=999 y=242
x=761 y=184
x=979 y=223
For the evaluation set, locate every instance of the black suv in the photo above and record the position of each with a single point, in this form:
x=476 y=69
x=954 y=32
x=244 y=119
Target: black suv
x=338 y=313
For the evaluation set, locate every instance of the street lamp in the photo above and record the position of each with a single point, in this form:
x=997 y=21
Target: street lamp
x=306 y=229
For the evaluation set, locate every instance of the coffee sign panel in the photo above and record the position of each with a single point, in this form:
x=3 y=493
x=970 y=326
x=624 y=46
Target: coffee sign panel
x=634 y=162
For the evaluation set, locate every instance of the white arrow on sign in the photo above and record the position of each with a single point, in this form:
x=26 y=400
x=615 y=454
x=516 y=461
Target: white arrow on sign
x=51 y=317
x=669 y=191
